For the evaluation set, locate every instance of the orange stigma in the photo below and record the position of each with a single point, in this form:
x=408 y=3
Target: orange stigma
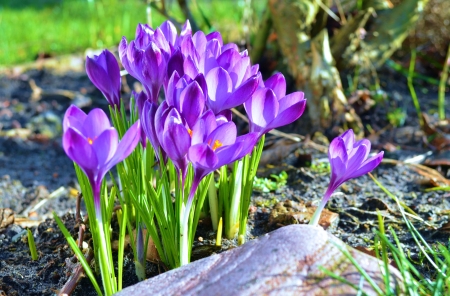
x=190 y=132
x=90 y=141
x=217 y=144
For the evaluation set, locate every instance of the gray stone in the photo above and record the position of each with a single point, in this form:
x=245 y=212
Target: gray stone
x=283 y=262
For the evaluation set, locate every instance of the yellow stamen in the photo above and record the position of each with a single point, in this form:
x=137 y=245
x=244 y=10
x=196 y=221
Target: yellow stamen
x=217 y=144
x=90 y=141
x=190 y=132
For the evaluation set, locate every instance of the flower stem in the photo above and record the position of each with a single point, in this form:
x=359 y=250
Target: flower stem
x=316 y=217
x=213 y=204
x=184 y=224
x=234 y=213
x=106 y=267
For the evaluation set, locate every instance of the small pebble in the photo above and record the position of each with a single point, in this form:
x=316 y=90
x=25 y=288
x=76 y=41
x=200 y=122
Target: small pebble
x=200 y=239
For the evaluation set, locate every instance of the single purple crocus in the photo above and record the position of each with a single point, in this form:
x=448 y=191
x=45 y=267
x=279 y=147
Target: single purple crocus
x=215 y=144
x=92 y=143
x=348 y=160
x=104 y=72
x=145 y=58
x=270 y=107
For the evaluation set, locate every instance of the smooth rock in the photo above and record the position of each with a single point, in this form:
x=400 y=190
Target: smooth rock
x=283 y=262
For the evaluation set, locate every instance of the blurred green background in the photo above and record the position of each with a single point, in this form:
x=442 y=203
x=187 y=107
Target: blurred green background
x=29 y=28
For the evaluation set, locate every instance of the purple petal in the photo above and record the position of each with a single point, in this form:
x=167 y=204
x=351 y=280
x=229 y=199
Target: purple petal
x=277 y=83
x=201 y=155
x=105 y=145
x=249 y=141
x=230 y=46
x=243 y=146
x=219 y=88
x=186 y=29
x=228 y=58
x=203 y=127
x=126 y=145
x=175 y=64
x=290 y=100
x=242 y=94
x=262 y=108
x=337 y=154
x=228 y=154
x=190 y=67
x=176 y=140
x=225 y=134
x=170 y=92
x=74 y=117
x=349 y=139
x=215 y=35
x=160 y=119
x=200 y=41
x=80 y=151
x=96 y=122
x=287 y=115
x=169 y=31
x=148 y=124
x=192 y=101
x=357 y=155
x=367 y=166
x=239 y=70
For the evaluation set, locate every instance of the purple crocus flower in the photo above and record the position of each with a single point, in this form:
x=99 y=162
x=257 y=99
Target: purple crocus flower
x=91 y=142
x=174 y=137
x=215 y=144
x=146 y=57
x=230 y=77
x=175 y=118
x=103 y=70
x=270 y=107
x=348 y=160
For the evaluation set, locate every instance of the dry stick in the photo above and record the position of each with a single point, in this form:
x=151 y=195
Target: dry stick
x=419 y=168
x=78 y=273
x=73 y=280
x=39 y=92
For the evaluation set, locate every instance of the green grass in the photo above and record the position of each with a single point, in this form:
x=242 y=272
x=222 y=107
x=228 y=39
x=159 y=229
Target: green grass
x=31 y=27
x=387 y=245
x=60 y=27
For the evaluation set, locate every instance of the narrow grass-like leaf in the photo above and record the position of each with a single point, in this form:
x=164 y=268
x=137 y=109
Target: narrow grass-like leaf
x=77 y=251
x=442 y=84
x=361 y=270
x=341 y=279
x=411 y=86
x=32 y=245
x=123 y=226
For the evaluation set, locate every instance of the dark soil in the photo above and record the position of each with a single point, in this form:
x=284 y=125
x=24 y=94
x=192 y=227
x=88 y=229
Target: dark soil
x=33 y=165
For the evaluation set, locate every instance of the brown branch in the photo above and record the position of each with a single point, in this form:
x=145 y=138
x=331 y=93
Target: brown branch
x=76 y=276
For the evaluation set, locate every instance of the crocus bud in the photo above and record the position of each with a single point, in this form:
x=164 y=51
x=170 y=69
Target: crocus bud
x=103 y=70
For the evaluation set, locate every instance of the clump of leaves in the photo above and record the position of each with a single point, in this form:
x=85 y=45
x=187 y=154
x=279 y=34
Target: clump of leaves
x=267 y=185
x=321 y=167
x=397 y=117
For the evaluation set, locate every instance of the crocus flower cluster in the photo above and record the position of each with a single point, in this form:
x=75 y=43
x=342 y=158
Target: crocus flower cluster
x=348 y=160
x=202 y=80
